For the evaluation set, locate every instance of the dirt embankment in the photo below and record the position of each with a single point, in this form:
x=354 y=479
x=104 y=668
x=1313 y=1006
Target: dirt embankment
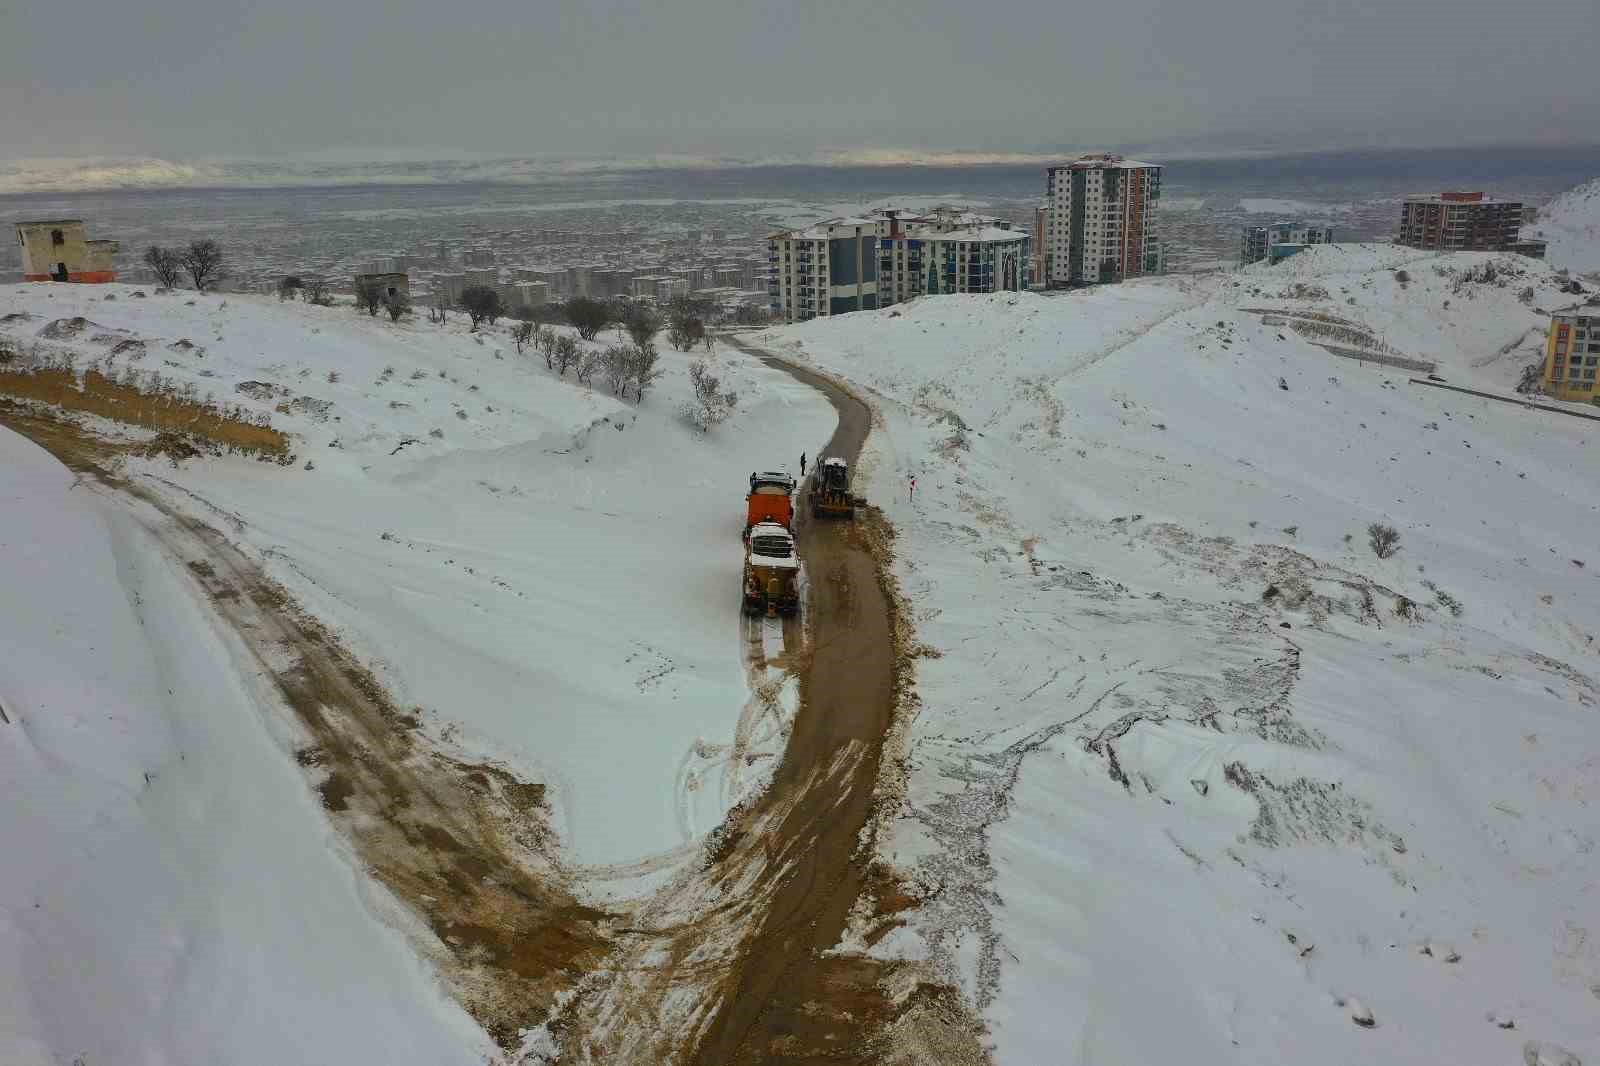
x=98 y=395
x=465 y=846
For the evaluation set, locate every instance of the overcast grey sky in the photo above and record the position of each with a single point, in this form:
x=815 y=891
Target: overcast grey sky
x=201 y=78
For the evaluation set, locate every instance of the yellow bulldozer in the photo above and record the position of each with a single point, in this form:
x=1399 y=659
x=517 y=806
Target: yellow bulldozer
x=830 y=491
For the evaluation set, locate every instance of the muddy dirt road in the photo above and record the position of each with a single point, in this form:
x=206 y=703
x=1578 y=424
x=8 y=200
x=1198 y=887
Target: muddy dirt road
x=786 y=1001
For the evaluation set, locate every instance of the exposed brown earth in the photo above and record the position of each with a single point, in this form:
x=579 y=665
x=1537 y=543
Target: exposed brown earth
x=97 y=394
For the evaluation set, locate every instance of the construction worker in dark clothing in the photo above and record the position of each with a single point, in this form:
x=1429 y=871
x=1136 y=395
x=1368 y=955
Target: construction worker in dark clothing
x=802 y=464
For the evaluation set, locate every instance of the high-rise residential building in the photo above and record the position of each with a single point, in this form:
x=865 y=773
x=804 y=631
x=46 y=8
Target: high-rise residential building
x=1459 y=221
x=478 y=257
x=487 y=278
x=447 y=288
x=1039 y=255
x=1572 y=354
x=1280 y=240
x=827 y=269
x=948 y=252
x=1102 y=220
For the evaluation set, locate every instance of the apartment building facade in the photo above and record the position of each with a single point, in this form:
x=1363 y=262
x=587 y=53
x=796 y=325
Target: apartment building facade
x=830 y=268
x=975 y=260
x=1572 y=354
x=1102 y=220
x=1280 y=240
x=1459 y=222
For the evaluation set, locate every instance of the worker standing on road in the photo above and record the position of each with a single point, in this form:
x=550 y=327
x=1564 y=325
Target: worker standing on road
x=802 y=464
x=912 y=496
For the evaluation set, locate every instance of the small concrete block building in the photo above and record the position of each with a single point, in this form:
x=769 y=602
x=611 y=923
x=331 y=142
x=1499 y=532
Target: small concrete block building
x=59 y=250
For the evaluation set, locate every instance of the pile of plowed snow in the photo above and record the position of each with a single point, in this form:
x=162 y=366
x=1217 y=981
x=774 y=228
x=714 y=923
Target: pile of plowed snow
x=1187 y=749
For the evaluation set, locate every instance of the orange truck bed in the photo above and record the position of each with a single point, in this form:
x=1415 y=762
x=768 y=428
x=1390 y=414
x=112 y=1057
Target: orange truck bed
x=769 y=507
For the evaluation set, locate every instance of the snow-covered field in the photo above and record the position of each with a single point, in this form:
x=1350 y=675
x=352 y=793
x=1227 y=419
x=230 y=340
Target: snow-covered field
x=1196 y=776
x=1571 y=225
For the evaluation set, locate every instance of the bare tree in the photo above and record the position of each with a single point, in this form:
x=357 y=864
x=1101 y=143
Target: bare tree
x=685 y=334
x=588 y=363
x=398 y=305
x=166 y=264
x=589 y=316
x=566 y=353
x=615 y=364
x=522 y=335
x=546 y=340
x=438 y=310
x=642 y=324
x=712 y=404
x=204 y=261
x=643 y=368
x=369 y=297
x=481 y=303
x=1385 y=540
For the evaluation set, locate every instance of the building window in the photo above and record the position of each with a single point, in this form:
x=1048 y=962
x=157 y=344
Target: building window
x=57 y=237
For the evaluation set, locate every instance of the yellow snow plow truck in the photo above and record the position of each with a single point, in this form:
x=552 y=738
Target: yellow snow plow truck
x=830 y=491
x=771 y=571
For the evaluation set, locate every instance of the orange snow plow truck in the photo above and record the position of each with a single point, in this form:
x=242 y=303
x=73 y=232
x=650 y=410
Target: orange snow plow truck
x=771 y=571
x=770 y=500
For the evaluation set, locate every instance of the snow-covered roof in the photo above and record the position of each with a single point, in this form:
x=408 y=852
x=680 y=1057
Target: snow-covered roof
x=1104 y=162
x=983 y=234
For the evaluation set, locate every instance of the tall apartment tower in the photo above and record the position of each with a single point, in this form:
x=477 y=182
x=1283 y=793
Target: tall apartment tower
x=1101 y=225
x=830 y=268
x=1459 y=221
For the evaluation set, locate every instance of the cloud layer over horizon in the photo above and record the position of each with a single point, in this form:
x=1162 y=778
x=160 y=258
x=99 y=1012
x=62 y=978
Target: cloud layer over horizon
x=180 y=79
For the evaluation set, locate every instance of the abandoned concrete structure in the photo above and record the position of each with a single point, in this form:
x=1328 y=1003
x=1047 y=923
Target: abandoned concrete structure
x=390 y=285
x=57 y=250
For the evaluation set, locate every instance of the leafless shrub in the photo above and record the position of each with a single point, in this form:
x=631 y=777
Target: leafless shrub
x=1384 y=540
x=712 y=403
x=614 y=363
x=588 y=363
x=522 y=335
x=397 y=305
x=565 y=353
x=333 y=377
x=316 y=292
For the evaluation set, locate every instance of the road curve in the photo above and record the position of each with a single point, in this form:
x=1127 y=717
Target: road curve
x=847 y=706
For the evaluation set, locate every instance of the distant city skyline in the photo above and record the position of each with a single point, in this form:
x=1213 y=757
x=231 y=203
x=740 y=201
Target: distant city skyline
x=184 y=80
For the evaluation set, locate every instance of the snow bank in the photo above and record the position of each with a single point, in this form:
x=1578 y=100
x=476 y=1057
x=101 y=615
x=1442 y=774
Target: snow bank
x=172 y=892
x=1187 y=746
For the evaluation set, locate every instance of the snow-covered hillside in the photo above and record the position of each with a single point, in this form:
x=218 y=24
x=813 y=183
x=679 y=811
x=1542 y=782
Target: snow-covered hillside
x=171 y=892
x=1196 y=776
x=548 y=573
x=1571 y=225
